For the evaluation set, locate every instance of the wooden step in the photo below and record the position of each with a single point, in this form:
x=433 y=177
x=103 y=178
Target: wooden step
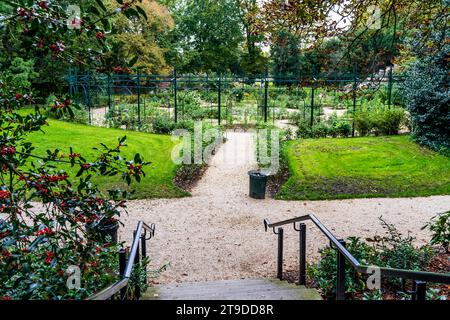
x=247 y=289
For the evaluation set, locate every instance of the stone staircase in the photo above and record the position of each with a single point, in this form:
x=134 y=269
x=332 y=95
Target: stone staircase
x=249 y=289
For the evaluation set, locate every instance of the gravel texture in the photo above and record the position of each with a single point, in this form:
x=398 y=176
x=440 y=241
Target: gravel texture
x=218 y=233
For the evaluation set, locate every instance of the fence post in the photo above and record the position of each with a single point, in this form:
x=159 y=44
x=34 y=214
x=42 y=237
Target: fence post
x=266 y=89
x=122 y=265
x=390 y=88
x=302 y=255
x=144 y=249
x=136 y=263
x=175 y=104
x=70 y=83
x=340 y=279
x=420 y=290
x=219 y=99
x=139 y=98
x=355 y=87
x=88 y=89
x=312 y=100
x=76 y=86
x=109 y=91
x=280 y=254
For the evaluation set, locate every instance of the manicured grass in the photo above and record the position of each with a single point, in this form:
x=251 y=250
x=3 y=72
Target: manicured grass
x=363 y=167
x=153 y=148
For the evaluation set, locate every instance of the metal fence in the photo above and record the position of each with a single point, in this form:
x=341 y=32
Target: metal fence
x=227 y=100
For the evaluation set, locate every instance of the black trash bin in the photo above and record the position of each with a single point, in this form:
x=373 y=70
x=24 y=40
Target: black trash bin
x=258 y=183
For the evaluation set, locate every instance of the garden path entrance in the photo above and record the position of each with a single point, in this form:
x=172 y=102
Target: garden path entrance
x=218 y=233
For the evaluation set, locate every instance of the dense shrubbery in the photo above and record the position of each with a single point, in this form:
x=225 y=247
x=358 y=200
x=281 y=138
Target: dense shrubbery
x=333 y=127
x=427 y=95
x=380 y=121
x=393 y=250
x=46 y=215
x=162 y=125
x=78 y=114
x=440 y=228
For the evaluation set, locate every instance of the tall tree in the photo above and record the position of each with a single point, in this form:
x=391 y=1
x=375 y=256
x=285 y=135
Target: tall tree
x=207 y=36
x=145 y=37
x=253 y=61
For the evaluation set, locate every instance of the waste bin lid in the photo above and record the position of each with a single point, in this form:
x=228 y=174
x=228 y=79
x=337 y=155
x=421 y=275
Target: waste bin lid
x=256 y=173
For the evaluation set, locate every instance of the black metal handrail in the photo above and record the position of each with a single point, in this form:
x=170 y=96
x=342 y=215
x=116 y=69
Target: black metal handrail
x=142 y=233
x=420 y=278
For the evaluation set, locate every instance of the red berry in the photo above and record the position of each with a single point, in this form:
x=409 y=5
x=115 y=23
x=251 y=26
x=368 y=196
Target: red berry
x=22 y=12
x=43 y=5
x=100 y=36
x=4 y=194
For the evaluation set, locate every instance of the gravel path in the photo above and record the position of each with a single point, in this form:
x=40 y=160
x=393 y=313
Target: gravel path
x=218 y=234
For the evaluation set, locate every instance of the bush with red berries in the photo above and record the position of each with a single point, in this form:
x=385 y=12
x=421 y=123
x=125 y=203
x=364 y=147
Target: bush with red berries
x=46 y=215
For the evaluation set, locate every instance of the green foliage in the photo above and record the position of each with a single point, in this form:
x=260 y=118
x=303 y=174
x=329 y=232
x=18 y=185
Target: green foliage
x=392 y=250
x=208 y=33
x=21 y=73
x=333 y=127
x=324 y=273
x=380 y=121
x=440 y=228
x=162 y=124
x=78 y=115
x=363 y=123
x=398 y=251
x=427 y=97
x=285 y=56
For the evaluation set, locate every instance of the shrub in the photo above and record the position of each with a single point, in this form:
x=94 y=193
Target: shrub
x=162 y=125
x=380 y=121
x=338 y=127
x=388 y=122
x=324 y=273
x=427 y=97
x=343 y=129
x=21 y=73
x=392 y=250
x=363 y=123
x=320 y=130
x=78 y=114
x=39 y=242
x=185 y=124
x=304 y=130
x=440 y=228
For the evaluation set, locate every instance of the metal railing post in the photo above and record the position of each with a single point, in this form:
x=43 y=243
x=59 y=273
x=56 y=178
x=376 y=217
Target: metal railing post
x=139 y=98
x=89 y=102
x=137 y=288
x=144 y=248
x=420 y=290
x=266 y=95
x=122 y=266
x=340 y=279
x=302 y=255
x=280 y=254
x=355 y=87
x=175 y=89
x=390 y=88
x=312 y=101
x=219 y=98
x=109 y=92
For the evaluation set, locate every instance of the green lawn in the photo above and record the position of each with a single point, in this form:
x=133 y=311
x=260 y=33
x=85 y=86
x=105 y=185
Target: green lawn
x=154 y=148
x=363 y=167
